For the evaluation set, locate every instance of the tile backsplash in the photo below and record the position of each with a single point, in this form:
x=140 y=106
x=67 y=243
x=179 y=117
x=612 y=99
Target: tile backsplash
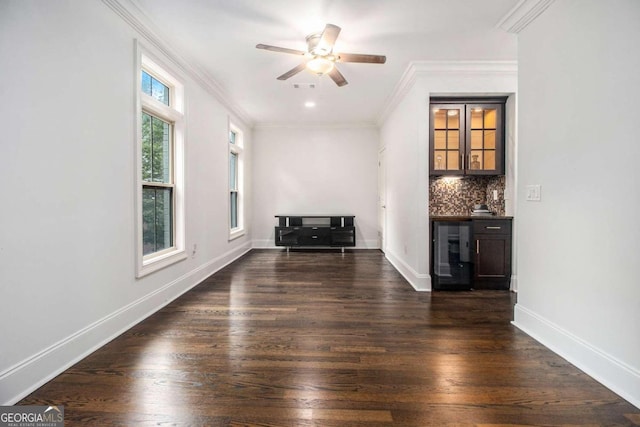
x=456 y=196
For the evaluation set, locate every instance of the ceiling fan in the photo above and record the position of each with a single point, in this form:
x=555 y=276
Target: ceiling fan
x=320 y=57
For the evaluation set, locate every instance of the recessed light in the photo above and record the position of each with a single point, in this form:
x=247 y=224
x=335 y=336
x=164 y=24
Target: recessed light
x=309 y=104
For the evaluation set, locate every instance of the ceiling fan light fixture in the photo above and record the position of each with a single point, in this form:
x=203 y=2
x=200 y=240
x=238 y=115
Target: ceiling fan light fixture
x=320 y=65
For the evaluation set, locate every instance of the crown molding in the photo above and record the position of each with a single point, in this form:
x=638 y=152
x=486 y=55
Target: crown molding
x=314 y=125
x=523 y=13
x=464 y=69
x=131 y=13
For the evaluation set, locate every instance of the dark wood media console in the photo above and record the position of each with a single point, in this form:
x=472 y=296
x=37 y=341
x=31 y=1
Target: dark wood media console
x=315 y=230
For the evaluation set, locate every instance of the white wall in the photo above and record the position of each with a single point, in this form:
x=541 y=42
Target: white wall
x=579 y=283
x=404 y=135
x=67 y=245
x=315 y=170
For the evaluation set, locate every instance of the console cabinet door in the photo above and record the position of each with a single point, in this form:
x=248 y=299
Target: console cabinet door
x=493 y=256
x=287 y=236
x=492 y=244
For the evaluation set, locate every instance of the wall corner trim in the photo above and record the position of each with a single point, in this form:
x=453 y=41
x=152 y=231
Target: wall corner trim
x=420 y=282
x=462 y=69
x=522 y=14
x=131 y=13
x=33 y=372
x=614 y=374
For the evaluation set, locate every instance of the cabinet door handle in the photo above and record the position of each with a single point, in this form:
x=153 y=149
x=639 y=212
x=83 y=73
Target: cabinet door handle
x=477 y=246
x=314 y=237
x=314 y=228
x=493 y=228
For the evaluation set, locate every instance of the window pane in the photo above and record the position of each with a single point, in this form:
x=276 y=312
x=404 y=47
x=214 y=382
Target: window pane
x=453 y=119
x=476 y=118
x=489 y=159
x=146 y=83
x=476 y=139
x=440 y=139
x=232 y=137
x=159 y=91
x=453 y=139
x=157 y=230
x=440 y=119
x=156 y=149
x=476 y=160
x=489 y=139
x=490 y=118
x=234 y=209
x=440 y=161
x=147 y=152
x=233 y=171
x=453 y=158
x=155 y=88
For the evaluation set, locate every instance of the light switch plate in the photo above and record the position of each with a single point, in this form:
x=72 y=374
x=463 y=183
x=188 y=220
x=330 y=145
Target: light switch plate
x=533 y=193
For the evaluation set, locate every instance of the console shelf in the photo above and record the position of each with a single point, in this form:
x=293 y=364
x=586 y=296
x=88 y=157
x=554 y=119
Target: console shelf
x=315 y=230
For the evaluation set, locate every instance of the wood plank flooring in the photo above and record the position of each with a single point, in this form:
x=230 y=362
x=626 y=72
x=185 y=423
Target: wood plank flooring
x=329 y=339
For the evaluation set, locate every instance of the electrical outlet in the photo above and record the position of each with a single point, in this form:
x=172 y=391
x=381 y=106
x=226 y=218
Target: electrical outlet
x=533 y=193
x=495 y=194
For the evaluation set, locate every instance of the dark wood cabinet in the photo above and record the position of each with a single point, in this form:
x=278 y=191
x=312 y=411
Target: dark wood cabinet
x=489 y=258
x=466 y=136
x=315 y=230
x=492 y=267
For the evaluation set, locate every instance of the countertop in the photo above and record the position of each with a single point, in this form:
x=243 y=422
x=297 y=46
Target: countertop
x=466 y=217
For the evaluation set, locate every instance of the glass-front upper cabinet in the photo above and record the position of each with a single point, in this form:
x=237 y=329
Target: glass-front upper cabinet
x=467 y=137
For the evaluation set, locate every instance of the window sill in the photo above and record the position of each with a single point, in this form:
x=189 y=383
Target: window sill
x=235 y=233
x=159 y=262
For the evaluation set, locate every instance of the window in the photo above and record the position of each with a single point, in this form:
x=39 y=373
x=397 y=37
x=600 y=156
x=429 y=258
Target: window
x=160 y=206
x=235 y=183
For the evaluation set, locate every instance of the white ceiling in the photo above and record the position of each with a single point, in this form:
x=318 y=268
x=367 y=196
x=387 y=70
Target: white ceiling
x=219 y=36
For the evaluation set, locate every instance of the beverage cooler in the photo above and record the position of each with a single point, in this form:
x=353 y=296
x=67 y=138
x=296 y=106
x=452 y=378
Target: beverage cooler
x=452 y=262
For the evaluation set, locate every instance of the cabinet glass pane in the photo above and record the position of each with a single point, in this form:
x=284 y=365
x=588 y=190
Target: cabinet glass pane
x=440 y=139
x=453 y=160
x=453 y=119
x=439 y=119
x=476 y=160
x=489 y=159
x=476 y=118
x=453 y=139
x=490 y=118
x=439 y=160
x=476 y=139
x=490 y=139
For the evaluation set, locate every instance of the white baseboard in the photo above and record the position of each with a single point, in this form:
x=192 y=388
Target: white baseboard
x=514 y=283
x=26 y=376
x=604 y=368
x=420 y=282
x=269 y=244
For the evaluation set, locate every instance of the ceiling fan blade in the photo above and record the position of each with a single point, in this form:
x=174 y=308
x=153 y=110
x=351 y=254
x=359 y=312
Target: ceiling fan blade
x=279 y=49
x=292 y=72
x=337 y=77
x=329 y=37
x=361 y=57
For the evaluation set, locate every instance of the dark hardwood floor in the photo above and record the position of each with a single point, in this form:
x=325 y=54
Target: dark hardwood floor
x=329 y=339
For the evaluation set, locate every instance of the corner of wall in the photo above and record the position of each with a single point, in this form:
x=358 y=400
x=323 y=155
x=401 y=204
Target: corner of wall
x=419 y=282
x=604 y=368
x=31 y=373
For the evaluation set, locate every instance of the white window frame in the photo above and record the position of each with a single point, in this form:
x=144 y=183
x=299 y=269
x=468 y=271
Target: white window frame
x=238 y=150
x=174 y=114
